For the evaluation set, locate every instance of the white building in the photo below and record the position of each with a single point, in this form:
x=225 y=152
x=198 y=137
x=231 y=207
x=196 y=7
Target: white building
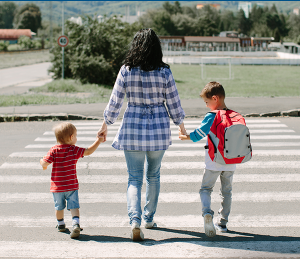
x=77 y=20
x=246 y=7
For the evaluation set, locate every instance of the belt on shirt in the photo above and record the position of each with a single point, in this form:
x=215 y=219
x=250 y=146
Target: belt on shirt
x=146 y=108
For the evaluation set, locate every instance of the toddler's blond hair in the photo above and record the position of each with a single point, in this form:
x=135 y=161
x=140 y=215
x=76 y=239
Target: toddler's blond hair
x=63 y=132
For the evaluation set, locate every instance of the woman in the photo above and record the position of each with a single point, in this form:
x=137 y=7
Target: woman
x=145 y=129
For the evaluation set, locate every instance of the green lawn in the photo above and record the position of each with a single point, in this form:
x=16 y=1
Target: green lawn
x=15 y=59
x=248 y=81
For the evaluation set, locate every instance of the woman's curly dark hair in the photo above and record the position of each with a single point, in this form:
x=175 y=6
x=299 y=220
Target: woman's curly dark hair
x=145 y=51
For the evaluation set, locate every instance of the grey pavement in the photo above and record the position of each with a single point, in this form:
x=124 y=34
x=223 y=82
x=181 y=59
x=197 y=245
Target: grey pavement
x=15 y=76
x=192 y=107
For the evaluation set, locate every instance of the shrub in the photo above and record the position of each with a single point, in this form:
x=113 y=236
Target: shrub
x=95 y=51
x=25 y=42
x=4 y=45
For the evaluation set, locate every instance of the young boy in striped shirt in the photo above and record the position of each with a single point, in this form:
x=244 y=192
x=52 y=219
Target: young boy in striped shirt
x=64 y=182
x=213 y=94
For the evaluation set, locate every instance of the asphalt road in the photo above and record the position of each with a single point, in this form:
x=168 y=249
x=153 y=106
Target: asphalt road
x=263 y=222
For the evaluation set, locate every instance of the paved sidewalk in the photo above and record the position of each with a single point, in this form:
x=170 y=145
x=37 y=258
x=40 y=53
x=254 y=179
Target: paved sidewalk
x=192 y=107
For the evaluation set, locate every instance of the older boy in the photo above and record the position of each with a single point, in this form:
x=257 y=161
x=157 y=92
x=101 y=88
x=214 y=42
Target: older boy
x=213 y=95
x=64 y=183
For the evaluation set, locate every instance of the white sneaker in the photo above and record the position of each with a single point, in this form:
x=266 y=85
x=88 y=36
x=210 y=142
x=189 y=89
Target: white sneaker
x=151 y=224
x=136 y=232
x=221 y=228
x=209 y=227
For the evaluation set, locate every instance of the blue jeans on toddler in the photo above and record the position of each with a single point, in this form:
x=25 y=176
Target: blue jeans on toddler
x=135 y=166
x=71 y=197
x=209 y=179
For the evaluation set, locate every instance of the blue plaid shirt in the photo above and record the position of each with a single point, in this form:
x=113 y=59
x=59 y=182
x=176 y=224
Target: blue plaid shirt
x=146 y=123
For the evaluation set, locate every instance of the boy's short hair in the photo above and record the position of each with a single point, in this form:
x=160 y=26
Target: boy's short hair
x=211 y=89
x=63 y=132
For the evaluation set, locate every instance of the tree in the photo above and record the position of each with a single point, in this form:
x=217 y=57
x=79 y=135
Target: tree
x=243 y=24
x=294 y=28
x=172 y=9
x=95 y=51
x=7 y=10
x=28 y=17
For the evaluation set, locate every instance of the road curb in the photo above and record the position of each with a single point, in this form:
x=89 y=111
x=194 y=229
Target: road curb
x=65 y=116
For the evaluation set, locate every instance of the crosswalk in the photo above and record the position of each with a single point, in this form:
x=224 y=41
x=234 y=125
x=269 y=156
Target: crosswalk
x=266 y=196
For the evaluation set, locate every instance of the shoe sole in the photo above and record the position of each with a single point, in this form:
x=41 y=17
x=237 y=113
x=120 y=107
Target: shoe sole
x=136 y=235
x=209 y=227
x=75 y=233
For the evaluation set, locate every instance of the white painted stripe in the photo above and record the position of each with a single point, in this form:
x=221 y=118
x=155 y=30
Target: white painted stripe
x=189 y=126
x=186 y=121
x=49 y=145
x=164 y=178
x=165 y=165
x=181 y=144
x=168 y=153
x=275 y=137
x=151 y=249
x=236 y=221
x=268 y=131
x=174 y=138
x=170 y=197
x=113 y=132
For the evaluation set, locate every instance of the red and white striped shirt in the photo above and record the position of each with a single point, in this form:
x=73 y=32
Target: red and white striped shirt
x=64 y=159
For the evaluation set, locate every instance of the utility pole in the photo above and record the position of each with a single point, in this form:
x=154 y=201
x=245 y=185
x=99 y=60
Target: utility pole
x=51 y=27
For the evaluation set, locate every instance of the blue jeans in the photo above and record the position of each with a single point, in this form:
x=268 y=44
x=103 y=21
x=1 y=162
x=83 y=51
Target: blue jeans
x=135 y=166
x=208 y=182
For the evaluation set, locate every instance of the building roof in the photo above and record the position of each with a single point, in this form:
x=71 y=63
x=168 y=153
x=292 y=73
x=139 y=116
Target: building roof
x=290 y=44
x=210 y=39
x=14 y=34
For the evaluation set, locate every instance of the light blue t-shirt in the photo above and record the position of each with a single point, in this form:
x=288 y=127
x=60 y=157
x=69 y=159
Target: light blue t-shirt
x=204 y=128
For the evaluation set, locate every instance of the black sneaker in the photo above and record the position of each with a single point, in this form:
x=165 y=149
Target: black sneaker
x=75 y=231
x=221 y=228
x=61 y=228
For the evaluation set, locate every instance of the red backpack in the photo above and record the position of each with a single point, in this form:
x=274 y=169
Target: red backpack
x=229 y=138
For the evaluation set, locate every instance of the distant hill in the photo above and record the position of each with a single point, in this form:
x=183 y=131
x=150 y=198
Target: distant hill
x=76 y=8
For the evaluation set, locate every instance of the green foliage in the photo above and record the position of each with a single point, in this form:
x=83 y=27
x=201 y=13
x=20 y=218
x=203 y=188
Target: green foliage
x=95 y=51
x=4 y=45
x=28 y=16
x=7 y=10
x=25 y=42
x=294 y=26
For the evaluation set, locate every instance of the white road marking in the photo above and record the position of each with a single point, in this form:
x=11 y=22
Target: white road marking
x=185 y=122
x=165 y=165
x=181 y=144
x=184 y=221
x=170 y=197
x=113 y=132
x=188 y=126
x=174 y=138
x=168 y=153
x=164 y=178
x=123 y=248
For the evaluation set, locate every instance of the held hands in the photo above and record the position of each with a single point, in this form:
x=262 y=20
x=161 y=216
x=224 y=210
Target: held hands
x=42 y=162
x=102 y=133
x=101 y=138
x=183 y=134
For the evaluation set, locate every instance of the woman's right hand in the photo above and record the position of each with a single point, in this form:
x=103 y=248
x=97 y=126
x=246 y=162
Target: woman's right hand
x=103 y=131
x=182 y=130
